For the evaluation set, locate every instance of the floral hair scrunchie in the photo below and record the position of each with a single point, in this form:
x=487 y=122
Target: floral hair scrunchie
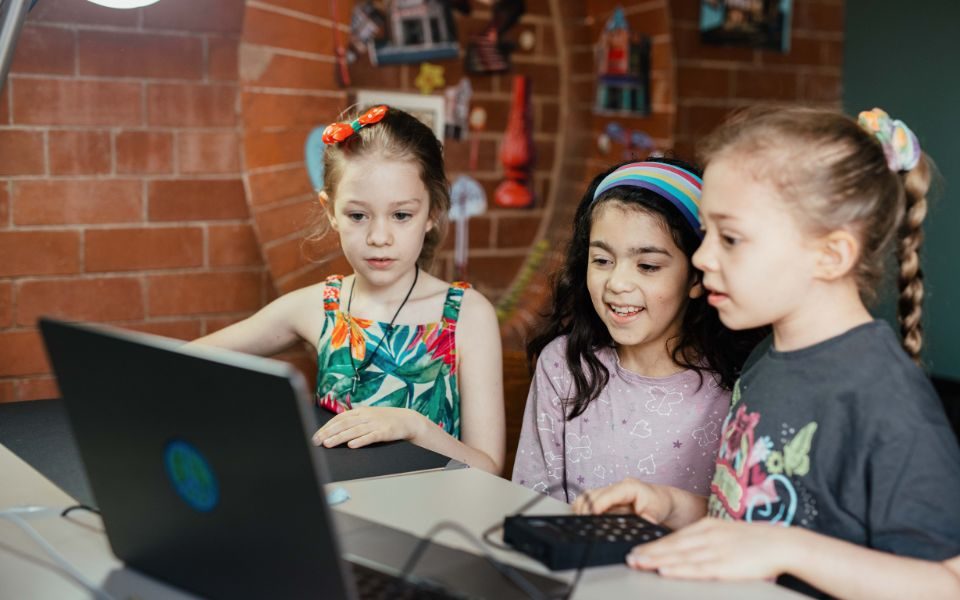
x=900 y=145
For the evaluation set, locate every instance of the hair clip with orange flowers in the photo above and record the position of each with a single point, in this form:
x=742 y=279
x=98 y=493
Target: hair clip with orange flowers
x=337 y=132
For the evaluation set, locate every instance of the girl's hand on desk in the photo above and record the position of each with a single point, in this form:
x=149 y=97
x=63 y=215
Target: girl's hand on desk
x=631 y=494
x=715 y=549
x=368 y=425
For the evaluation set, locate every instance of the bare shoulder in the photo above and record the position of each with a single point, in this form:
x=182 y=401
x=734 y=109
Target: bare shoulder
x=477 y=314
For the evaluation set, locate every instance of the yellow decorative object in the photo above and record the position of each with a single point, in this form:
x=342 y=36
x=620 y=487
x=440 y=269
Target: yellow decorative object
x=429 y=78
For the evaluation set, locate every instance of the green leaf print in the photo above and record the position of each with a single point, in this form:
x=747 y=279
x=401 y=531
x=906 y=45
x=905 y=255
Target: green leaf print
x=397 y=399
x=370 y=383
x=432 y=402
x=736 y=394
x=400 y=339
x=796 y=452
x=424 y=369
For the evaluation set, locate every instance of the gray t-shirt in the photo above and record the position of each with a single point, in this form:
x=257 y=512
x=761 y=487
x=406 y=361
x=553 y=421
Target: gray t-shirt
x=847 y=438
x=662 y=430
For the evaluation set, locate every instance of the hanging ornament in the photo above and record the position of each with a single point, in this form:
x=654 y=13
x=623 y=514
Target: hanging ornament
x=516 y=151
x=478 y=122
x=429 y=78
x=457 y=109
x=467 y=199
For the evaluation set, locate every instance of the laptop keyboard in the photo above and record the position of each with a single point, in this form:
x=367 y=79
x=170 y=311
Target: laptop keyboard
x=377 y=585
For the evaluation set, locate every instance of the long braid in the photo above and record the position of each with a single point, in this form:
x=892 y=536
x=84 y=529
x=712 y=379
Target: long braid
x=910 y=279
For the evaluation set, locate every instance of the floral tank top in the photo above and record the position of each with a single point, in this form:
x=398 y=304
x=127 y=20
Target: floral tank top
x=415 y=366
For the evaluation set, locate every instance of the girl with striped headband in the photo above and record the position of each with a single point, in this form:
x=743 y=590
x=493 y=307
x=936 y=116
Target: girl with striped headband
x=633 y=368
x=836 y=453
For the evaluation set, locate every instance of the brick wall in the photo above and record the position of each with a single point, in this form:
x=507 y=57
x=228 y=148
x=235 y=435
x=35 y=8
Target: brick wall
x=121 y=197
x=287 y=85
x=713 y=80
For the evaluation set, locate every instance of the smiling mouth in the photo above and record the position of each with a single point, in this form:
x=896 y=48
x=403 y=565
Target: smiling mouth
x=624 y=311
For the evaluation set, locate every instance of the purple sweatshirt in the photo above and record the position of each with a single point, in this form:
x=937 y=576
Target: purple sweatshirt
x=660 y=430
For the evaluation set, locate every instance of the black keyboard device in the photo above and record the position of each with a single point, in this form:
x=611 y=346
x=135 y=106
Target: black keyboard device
x=571 y=541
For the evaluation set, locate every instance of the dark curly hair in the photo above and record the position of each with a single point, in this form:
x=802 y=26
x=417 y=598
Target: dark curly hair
x=704 y=344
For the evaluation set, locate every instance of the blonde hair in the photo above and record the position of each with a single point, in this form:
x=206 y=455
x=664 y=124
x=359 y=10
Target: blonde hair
x=398 y=137
x=834 y=175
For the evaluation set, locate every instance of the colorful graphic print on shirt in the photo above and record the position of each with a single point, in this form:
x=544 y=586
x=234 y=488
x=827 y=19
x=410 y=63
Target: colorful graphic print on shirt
x=754 y=481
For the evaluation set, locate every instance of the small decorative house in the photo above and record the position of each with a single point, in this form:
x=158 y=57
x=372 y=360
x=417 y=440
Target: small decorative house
x=420 y=30
x=623 y=68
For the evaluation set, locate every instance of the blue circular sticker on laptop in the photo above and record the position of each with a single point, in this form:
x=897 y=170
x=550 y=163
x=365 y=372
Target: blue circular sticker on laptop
x=191 y=475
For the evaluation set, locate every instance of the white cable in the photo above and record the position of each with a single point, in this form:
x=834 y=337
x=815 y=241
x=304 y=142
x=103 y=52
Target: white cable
x=17 y=516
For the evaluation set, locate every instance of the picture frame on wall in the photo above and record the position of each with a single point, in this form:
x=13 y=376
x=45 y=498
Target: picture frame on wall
x=430 y=109
x=751 y=23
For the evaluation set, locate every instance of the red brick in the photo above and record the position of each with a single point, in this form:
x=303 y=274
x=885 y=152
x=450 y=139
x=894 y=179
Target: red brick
x=65 y=102
x=39 y=252
x=6 y=304
x=366 y=76
x=321 y=250
x=765 y=85
x=703 y=82
x=262 y=110
x=80 y=152
x=650 y=22
x=700 y=120
x=106 y=299
x=661 y=55
x=818 y=16
x=803 y=51
x=821 y=88
x=178 y=329
x=4 y=206
x=266 y=149
x=21 y=152
x=277 y=185
x=282 y=221
x=47 y=50
x=495 y=272
x=37 y=388
x=456 y=155
x=310 y=7
x=685 y=10
x=300 y=73
x=203 y=293
x=144 y=152
x=267 y=28
x=197 y=199
x=5 y=104
x=184 y=105
x=689 y=47
x=116 y=54
x=544 y=79
x=7 y=391
x=233 y=245
x=286 y=256
x=831 y=53
x=76 y=201
x=72 y=12
x=222 y=60
x=517 y=231
x=222 y=16
x=208 y=152
x=143 y=248
x=21 y=353
x=478 y=233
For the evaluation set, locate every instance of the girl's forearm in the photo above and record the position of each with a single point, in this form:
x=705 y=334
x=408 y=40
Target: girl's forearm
x=852 y=572
x=430 y=436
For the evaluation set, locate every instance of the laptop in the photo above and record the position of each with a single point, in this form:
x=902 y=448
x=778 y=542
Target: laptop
x=201 y=463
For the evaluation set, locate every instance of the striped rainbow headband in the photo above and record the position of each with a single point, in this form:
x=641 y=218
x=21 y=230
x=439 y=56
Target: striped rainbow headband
x=679 y=186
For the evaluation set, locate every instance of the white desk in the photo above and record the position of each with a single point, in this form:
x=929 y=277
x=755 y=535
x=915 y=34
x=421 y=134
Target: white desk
x=412 y=503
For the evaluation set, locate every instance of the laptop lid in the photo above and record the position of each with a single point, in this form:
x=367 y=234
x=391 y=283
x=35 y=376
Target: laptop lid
x=201 y=463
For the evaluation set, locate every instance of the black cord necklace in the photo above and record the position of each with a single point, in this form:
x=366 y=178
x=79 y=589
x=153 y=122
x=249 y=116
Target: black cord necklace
x=368 y=359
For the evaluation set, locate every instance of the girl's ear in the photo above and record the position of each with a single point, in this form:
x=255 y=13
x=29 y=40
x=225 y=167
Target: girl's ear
x=837 y=256
x=327 y=209
x=696 y=290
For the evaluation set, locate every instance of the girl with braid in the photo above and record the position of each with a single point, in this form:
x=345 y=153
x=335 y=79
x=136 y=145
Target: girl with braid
x=835 y=436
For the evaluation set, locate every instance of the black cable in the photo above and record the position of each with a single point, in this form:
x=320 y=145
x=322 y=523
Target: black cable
x=70 y=509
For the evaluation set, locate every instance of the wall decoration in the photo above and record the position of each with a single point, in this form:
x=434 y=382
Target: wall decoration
x=457 y=108
x=467 y=199
x=418 y=30
x=516 y=150
x=429 y=78
x=637 y=145
x=313 y=157
x=478 y=122
x=368 y=24
x=754 y=23
x=623 y=68
x=429 y=109
x=489 y=52
x=339 y=50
